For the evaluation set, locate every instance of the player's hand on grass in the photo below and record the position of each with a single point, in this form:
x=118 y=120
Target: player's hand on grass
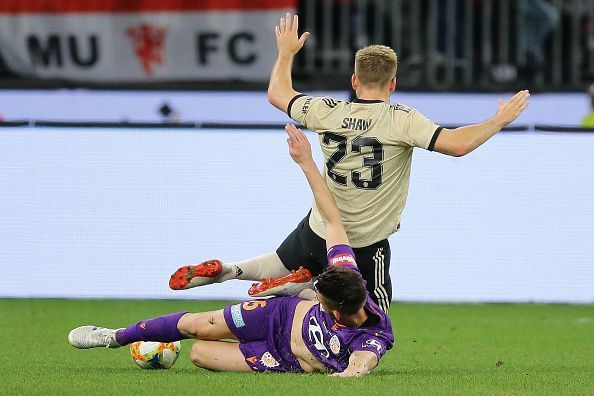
x=508 y=111
x=287 y=39
x=346 y=374
x=299 y=147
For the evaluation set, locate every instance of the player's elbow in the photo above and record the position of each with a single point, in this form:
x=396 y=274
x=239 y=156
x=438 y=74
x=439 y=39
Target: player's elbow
x=275 y=99
x=271 y=96
x=458 y=147
x=461 y=149
x=452 y=144
x=454 y=150
x=274 y=93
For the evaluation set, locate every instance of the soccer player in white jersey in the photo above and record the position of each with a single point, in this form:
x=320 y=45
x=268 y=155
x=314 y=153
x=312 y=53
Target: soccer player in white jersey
x=367 y=146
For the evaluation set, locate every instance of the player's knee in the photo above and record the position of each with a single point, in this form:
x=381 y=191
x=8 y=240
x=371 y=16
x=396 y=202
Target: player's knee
x=308 y=294
x=198 y=354
x=195 y=326
x=189 y=325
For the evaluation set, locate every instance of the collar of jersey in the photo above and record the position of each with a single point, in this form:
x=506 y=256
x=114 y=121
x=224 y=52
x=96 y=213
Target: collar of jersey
x=367 y=101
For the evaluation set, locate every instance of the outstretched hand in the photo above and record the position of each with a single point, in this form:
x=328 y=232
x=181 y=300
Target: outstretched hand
x=299 y=147
x=287 y=39
x=508 y=111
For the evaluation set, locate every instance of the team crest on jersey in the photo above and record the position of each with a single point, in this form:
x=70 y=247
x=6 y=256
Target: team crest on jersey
x=335 y=344
x=268 y=361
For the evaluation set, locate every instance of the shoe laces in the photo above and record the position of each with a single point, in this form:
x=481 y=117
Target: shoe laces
x=107 y=337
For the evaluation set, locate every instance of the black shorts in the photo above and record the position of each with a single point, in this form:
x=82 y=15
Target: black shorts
x=303 y=247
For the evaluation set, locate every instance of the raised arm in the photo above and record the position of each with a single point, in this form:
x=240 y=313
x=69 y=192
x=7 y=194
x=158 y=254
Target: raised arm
x=300 y=151
x=461 y=141
x=288 y=43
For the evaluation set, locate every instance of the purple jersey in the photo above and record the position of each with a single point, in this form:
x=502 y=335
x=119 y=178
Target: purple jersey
x=263 y=328
x=332 y=343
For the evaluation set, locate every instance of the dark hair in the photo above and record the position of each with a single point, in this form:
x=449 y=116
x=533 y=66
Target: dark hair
x=343 y=289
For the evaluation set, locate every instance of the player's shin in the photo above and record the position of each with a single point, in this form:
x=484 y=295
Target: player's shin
x=163 y=329
x=265 y=266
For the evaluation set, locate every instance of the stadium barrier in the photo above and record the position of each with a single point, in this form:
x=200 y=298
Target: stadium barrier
x=111 y=212
x=273 y=127
x=247 y=108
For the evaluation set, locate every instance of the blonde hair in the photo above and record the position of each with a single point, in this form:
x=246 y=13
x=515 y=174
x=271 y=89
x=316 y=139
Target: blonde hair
x=375 y=65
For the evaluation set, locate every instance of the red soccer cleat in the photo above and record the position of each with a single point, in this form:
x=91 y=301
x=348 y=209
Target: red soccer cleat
x=290 y=284
x=196 y=275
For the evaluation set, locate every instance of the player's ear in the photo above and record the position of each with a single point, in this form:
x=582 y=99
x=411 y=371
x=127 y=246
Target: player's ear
x=339 y=317
x=393 y=85
x=354 y=82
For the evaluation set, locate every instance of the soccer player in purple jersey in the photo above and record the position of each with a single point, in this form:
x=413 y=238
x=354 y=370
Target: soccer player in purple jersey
x=344 y=332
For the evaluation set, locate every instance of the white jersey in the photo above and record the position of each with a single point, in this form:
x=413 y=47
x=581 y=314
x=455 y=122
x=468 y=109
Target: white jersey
x=367 y=148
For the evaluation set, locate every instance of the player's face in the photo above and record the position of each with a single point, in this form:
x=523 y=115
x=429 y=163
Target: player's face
x=324 y=304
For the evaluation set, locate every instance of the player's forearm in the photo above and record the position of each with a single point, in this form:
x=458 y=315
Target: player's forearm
x=360 y=364
x=280 y=87
x=322 y=195
x=472 y=136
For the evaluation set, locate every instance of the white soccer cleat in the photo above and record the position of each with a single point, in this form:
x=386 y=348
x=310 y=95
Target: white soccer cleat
x=86 y=337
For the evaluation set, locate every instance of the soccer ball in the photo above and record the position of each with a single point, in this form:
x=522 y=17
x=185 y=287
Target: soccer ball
x=155 y=355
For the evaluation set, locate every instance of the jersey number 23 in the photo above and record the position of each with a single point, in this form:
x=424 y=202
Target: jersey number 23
x=373 y=162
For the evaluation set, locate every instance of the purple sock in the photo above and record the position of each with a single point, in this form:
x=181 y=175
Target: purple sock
x=162 y=328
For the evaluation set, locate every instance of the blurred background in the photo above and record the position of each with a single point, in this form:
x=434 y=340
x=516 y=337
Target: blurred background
x=462 y=45
x=136 y=137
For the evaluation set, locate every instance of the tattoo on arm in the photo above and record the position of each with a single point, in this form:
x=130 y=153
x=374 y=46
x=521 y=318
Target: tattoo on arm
x=212 y=320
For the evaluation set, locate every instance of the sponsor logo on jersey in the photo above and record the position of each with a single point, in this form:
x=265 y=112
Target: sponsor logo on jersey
x=335 y=344
x=343 y=259
x=316 y=336
x=374 y=343
x=237 y=316
x=268 y=361
x=306 y=104
x=143 y=325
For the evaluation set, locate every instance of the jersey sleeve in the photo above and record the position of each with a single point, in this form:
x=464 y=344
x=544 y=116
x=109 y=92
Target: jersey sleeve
x=420 y=131
x=312 y=112
x=373 y=343
x=342 y=256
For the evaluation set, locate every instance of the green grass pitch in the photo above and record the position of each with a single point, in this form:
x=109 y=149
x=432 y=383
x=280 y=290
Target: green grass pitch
x=440 y=349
